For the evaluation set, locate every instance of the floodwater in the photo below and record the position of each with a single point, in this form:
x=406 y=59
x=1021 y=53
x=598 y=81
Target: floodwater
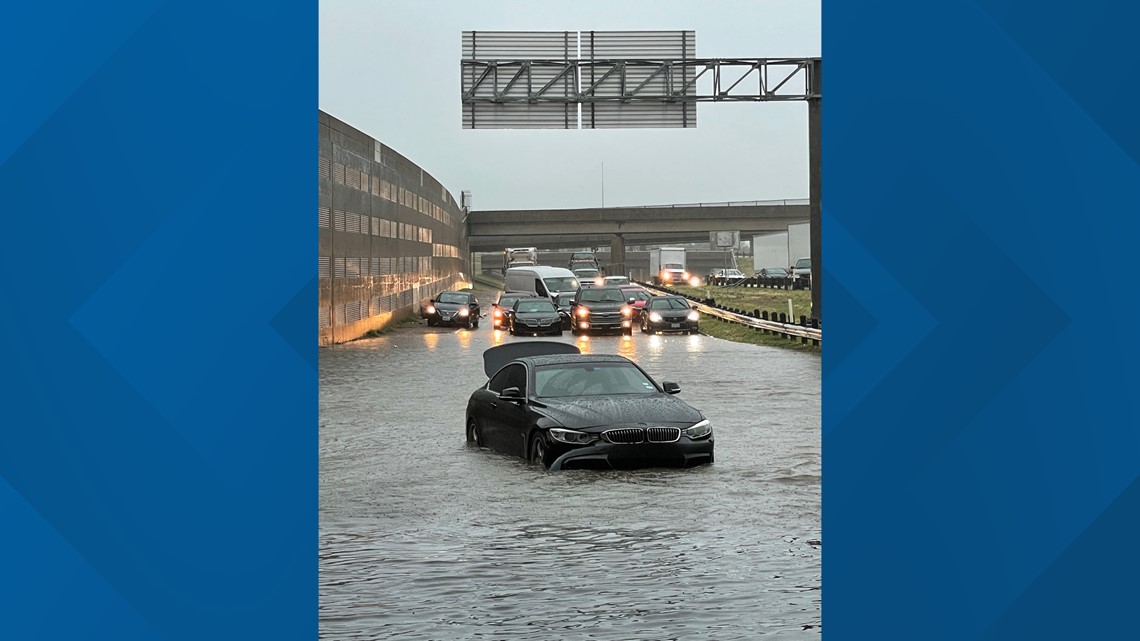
x=425 y=537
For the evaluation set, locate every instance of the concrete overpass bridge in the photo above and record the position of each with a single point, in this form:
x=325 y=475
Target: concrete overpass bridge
x=492 y=230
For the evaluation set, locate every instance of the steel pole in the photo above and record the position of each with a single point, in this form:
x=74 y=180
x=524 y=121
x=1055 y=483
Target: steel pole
x=815 y=190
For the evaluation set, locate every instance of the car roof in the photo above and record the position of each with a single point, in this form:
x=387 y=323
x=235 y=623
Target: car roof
x=560 y=359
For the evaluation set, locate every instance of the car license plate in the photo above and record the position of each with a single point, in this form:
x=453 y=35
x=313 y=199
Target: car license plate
x=674 y=325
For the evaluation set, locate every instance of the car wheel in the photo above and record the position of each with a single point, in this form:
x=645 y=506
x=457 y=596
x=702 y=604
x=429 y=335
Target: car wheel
x=431 y=322
x=474 y=433
x=558 y=333
x=470 y=324
x=575 y=331
x=538 y=450
x=476 y=323
x=627 y=331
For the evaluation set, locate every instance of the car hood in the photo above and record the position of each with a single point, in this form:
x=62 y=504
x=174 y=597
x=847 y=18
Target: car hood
x=584 y=412
x=536 y=315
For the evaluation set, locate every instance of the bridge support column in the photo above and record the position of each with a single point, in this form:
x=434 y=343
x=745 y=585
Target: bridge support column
x=617 y=256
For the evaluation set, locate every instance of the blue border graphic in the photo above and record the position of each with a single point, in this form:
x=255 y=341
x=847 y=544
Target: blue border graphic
x=158 y=455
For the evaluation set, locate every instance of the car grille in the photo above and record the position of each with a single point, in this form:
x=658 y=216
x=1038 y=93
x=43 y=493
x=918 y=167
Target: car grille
x=631 y=435
x=662 y=434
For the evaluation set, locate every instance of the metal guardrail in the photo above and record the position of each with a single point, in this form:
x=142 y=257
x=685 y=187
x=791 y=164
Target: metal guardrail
x=789 y=329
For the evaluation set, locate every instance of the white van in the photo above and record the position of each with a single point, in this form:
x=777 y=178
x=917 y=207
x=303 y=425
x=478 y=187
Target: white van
x=541 y=280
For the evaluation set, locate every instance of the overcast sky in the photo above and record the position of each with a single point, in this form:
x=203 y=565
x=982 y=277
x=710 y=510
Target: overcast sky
x=391 y=69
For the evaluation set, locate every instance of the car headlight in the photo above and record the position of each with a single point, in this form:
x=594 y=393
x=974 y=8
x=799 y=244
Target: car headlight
x=599 y=281
x=627 y=311
x=666 y=276
x=684 y=275
x=431 y=309
x=698 y=431
x=695 y=282
x=571 y=437
x=693 y=315
x=464 y=311
x=655 y=317
x=498 y=314
x=583 y=312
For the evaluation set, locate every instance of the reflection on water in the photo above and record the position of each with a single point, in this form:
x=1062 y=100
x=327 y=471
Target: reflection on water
x=425 y=537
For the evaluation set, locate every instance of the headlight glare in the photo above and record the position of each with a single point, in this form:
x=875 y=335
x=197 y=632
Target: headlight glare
x=431 y=309
x=699 y=430
x=627 y=311
x=655 y=317
x=693 y=315
x=583 y=312
x=571 y=437
x=464 y=312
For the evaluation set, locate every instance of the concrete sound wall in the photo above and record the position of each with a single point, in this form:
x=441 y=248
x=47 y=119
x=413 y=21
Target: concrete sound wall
x=389 y=234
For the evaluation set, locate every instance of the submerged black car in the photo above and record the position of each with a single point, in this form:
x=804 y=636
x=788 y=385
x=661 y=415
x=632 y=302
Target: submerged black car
x=669 y=314
x=534 y=316
x=601 y=308
x=454 y=308
x=552 y=405
x=501 y=309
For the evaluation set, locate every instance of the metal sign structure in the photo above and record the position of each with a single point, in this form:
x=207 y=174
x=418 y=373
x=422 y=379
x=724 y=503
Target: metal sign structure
x=627 y=79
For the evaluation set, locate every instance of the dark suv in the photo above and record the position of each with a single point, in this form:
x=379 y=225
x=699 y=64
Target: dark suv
x=601 y=308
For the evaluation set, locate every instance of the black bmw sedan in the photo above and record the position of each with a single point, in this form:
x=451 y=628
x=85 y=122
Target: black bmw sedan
x=454 y=308
x=534 y=316
x=552 y=405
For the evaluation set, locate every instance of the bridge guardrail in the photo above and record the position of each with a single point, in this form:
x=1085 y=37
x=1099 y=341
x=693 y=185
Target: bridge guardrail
x=806 y=330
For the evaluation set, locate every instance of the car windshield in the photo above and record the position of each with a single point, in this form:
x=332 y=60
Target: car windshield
x=585 y=273
x=508 y=301
x=561 y=284
x=775 y=270
x=564 y=299
x=735 y=272
x=639 y=294
x=668 y=303
x=674 y=266
x=536 y=305
x=590 y=379
x=803 y=262
x=617 y=280
x=602 y=296
x=450 y=297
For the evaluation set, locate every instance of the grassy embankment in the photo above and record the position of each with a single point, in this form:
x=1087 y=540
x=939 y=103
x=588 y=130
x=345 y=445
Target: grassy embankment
x=748 y=299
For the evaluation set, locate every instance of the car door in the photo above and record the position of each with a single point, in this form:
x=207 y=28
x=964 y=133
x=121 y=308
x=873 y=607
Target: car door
x=514 y=416
x=492 y=419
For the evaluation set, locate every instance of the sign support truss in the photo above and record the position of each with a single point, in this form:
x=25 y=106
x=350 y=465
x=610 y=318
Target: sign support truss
x=642 y=80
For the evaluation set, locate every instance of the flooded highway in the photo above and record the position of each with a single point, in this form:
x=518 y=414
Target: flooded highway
x=425 y=537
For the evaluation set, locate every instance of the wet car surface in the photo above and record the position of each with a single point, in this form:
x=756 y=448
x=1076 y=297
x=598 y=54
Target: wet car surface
x=534 y=316
x=423 y=536
x=561 y=409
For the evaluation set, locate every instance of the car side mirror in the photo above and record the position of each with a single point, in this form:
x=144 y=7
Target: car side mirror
x=670 y=388
x=511 y=394
x=632 y=300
